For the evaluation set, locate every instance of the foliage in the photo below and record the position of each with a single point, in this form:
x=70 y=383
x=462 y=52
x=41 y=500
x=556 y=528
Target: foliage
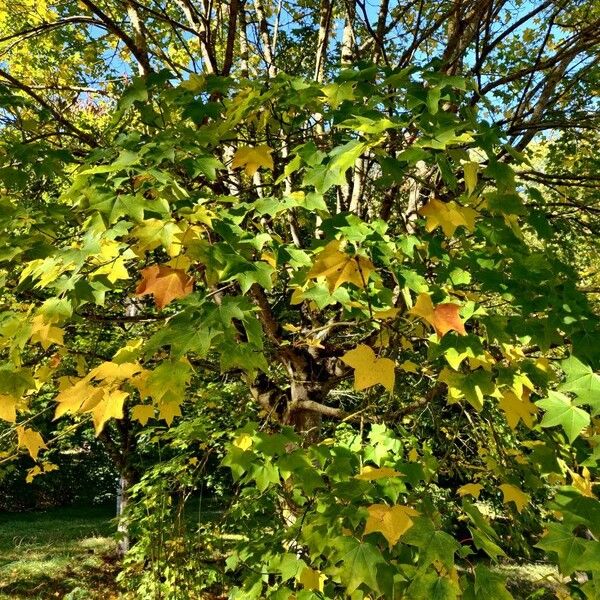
x=373 y=273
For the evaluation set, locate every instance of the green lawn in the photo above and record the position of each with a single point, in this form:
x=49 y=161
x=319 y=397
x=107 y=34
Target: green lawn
x=59 y=553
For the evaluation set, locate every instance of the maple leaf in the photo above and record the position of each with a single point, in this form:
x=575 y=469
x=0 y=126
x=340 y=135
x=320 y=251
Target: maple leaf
x=243 y=441
x=45 y=333
x=448 y=215
x=312 y=579
x=168 y=411
x=338 y=267
x=368 y=369
x=251 y=158
x=30 y=439
x=443 y=317
x=142 y=413
x=371 y=473
x=517 y=409
x=470 y=489
x=391 y=521
x=513 y=494
x=165 y=284
x=110 y=406
x=8 y=408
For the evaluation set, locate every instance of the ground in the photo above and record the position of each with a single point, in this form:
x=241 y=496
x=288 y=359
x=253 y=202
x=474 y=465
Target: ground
x=60 y=553
x=68 y=553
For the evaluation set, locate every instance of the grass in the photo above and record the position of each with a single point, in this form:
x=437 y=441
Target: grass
x=60 y=553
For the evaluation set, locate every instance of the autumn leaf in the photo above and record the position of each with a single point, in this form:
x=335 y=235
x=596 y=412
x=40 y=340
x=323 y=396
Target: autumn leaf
x=311 y=579
x=338 y=267
x=243 y=441
x=368 y=369
x=513 y=494
x=448 y=215
x=252 y=158
x=8 y=408
x=30 y=439
x=517 y=409
x=165 y=284
x=470 y=489
x=168 y=411
x=391 y=521
x=443 y=317
x=110 y=406
x=142 y=413
x=372 y=473
x=45 y=333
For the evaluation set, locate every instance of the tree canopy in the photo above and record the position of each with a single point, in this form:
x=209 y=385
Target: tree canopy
x=348 y=252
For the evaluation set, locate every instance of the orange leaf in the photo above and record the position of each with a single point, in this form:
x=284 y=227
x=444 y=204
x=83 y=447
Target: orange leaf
x=165 y=284
x=443 y=317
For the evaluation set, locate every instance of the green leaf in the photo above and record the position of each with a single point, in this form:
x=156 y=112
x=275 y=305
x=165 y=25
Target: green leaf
x=560 y=410
x=432 y=543
x=582 y=381
x=359 y=564
x=569 y=548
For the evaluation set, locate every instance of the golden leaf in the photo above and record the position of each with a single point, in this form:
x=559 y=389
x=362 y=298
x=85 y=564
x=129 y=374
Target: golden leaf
x=243 y=441
x=251 y=158
x=448 y=215
x=338 y=267
x=45 y=333
x=110 y=406
x=470 y=489
x=142 y=413
x=30 y=439
x=443 y=317
x=8 y=408
x=517 y=409
x=368 y=369
x=312 y=579
x=168 y=411
x=391 y=521
x=165 y=284
x=513 y=494
x=372 y=473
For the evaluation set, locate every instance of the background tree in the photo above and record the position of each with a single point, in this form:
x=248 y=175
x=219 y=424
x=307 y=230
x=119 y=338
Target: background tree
x=370 y=218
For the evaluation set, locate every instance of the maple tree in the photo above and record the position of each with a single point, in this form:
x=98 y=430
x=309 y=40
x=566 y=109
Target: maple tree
x=383 y=246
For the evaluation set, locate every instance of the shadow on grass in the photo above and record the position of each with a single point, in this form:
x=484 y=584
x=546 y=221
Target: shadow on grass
x=58 y=552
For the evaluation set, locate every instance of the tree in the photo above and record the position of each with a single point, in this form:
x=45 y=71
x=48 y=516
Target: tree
x=366 y=218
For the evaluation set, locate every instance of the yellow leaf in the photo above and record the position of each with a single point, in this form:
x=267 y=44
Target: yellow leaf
x=389 y=313
x=243 y=441
x=45 y=333
x=448 y=215
x=8 y=408
x=513 y=494
x=583 y=483
x=251 y=158
x=30 y=439
x=413 y=455
x=409 y=366
x=168 y=411
x=470 y=171
x=312 y=579
x=338 y=267
x=74 y=395
x=443 y=317
x=33 y=472
x=142 y=413
x=110 y=372
x=470 y=489
x=517 y=409
x=372 y=473
x=110 y=406
x=368 y=369
x=391 y=521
